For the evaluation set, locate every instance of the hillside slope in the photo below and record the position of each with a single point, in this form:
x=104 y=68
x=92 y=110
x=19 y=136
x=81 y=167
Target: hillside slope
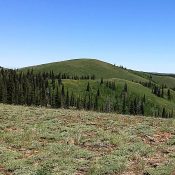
x=85 y=67
x=167 y=80
x=138 y=100
x=160 y=79
x=102 y=69
x=135 y=90
x=48 y=141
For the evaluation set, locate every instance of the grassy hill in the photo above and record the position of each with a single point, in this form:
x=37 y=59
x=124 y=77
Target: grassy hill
x=161 y=79
x=169 y=81
x=86 y=67
x=134 y=90
x=40 y=141
x=120 y=76
x=102 y=69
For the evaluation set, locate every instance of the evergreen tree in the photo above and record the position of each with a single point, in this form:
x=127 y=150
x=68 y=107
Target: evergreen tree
x=124 y=105
x=88 y=87
x=125 y=88
x=162 y=92
x=67 y=100
x=62 y=91
x=101 y=81
x=163 y=113
x=57 y=99
x=169 y=94
x=89 y=103
x=131 y=108
x=144 y=99
x=135 y=106
x=98 y=92
x=72 y=100
x=142 y=108
x=78 y=103
x=59 y=81
x=96 y=103
x=108 y=105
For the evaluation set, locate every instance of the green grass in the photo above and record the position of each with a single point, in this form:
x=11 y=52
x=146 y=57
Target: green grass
x=160 y=79
x=87 y=67
x=40 y=141
x=78 y=87
x=167 y=80
x=101 y=69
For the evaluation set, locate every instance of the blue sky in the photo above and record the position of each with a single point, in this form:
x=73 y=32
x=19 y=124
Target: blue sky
x=139 y=34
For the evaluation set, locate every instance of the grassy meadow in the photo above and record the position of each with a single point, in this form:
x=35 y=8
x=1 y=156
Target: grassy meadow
x=40 y=141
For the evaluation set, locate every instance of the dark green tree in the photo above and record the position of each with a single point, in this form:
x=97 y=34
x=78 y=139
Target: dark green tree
x=101 y=81
x=169 y=94
x=125 y=89
x=88 y=87
x=67 y=102
x=57 y=99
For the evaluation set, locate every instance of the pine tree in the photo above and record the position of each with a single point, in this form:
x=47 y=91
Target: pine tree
x=85 y=102
x=162 y=92
x=169 y=94
x=98 y=92
x=124 y=105
x=172 y=113
x=163 y=113
x=67 y=102
x=62 y=91
x=131 y=108
x=78 y=103
x=144 y=99
x=59 y=81
x=4 y=93
x=88 y=87
x=142 y=108
x=101 y=81
x=57 y=99
x=125 y=88
x=1 y=91
x=117 y=106
x=72 y=100
x=108 y=105
x=89 y=103
x=96 y=103
x=135 y=106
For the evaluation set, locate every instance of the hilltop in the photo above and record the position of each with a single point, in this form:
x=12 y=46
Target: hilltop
x=102 y=69
x=49 y=141
x=87 y=66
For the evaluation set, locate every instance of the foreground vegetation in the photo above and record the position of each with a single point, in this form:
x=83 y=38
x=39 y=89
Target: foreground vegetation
x=40 y=141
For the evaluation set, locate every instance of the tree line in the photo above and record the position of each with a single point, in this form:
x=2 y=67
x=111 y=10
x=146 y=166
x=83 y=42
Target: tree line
x=159 y=91
x=48 y=89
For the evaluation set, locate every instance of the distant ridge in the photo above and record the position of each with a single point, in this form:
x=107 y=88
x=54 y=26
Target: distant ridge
x=87 y=66
x=84 y=66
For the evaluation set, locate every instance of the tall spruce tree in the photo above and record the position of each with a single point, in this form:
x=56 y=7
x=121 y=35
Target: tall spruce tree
x=67 y=102
x=88 y=87
x=169 y=94
x=57 y=99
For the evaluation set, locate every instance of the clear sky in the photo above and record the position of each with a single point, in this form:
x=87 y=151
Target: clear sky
x=139 y=34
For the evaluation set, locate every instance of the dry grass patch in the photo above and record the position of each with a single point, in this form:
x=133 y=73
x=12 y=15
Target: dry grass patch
x=39 y=141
